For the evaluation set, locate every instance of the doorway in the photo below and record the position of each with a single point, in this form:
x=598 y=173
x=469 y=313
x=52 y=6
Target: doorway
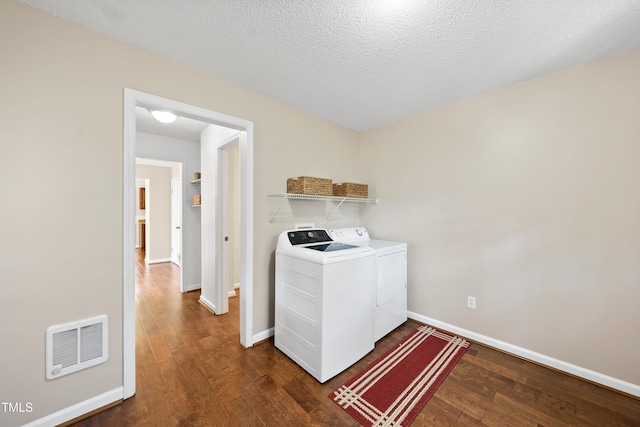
x=133 y=98
x=161 y=212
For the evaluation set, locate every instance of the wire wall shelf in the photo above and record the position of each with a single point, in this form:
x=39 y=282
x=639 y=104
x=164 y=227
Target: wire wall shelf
x=338 y=199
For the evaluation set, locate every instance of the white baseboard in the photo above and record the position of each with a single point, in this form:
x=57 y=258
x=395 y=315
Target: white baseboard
x=157 y=261
x=261 y=336
x=231 y=294
x=79 y=409
x=542 y=359
x=193 y=287
x=236 y=286
x=207 y=304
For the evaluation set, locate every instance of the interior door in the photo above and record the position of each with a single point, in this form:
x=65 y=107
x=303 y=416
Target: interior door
x=176 y=221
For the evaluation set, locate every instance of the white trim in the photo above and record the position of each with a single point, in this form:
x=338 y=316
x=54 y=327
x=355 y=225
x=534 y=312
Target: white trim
x=221 y=221
x=231 y=294
x=264 y=335
x=157 y=261
x=246 y=235
x=542 y=359
x=132 y=98
x=215 y=141
x=236 y=286
x=193 y=287
x=78 y=409
x=177 y=183
x=128 y=243
x=222 y=213
x=211 y=306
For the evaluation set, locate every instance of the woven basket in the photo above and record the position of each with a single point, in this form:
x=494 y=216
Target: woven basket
x=195 y=200
x=197 y=175
x=309 y=185
x=351 y=189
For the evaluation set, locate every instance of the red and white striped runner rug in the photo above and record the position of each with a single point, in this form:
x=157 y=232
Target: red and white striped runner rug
x=392 y=390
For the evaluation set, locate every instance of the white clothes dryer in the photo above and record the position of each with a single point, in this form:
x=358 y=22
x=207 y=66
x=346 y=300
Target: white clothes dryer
x=324 y=301
x=391 y=277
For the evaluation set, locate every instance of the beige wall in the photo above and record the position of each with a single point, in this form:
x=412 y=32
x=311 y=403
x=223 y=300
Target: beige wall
x=527 y=199
x=61 y=184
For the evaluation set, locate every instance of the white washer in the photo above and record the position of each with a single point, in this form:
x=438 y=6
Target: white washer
x=324 y=301
x=391 y=277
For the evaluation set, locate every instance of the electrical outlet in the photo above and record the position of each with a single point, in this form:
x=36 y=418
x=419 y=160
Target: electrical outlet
x=471 y=302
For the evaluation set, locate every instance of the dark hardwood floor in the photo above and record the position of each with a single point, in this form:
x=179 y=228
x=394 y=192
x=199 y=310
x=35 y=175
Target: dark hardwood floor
x=192 y=371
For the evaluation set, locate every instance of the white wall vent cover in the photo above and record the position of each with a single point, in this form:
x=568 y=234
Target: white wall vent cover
x=75 y=346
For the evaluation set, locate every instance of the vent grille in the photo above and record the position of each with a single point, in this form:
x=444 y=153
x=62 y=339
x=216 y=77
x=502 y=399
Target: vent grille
x=65 y=348
x=75 y=346
x=91 y=342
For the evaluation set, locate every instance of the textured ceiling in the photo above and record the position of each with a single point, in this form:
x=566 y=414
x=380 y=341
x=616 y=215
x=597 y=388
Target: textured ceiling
x=365 y=63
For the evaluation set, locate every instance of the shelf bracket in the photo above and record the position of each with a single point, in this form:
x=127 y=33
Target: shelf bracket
x=335 y=208
x=277 y=209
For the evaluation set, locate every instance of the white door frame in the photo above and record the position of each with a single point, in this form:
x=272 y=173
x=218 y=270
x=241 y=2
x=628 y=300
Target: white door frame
x=224 y=180
x=223 y=156
x=176 y=185
x=133 y=98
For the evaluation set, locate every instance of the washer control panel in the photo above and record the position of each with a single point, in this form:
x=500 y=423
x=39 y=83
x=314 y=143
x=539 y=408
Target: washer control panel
x=303 y=237
x=352 y=233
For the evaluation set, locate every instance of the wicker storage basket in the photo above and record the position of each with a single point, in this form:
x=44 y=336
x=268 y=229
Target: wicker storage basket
x=351 y=189
x=195 y=200
x=197 y=175
x=309 y=185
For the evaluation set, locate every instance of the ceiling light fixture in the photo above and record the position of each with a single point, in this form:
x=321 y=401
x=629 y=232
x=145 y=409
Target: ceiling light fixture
x=164 y=117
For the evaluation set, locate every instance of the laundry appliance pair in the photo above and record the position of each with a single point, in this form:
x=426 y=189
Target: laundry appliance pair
x=337 y=293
